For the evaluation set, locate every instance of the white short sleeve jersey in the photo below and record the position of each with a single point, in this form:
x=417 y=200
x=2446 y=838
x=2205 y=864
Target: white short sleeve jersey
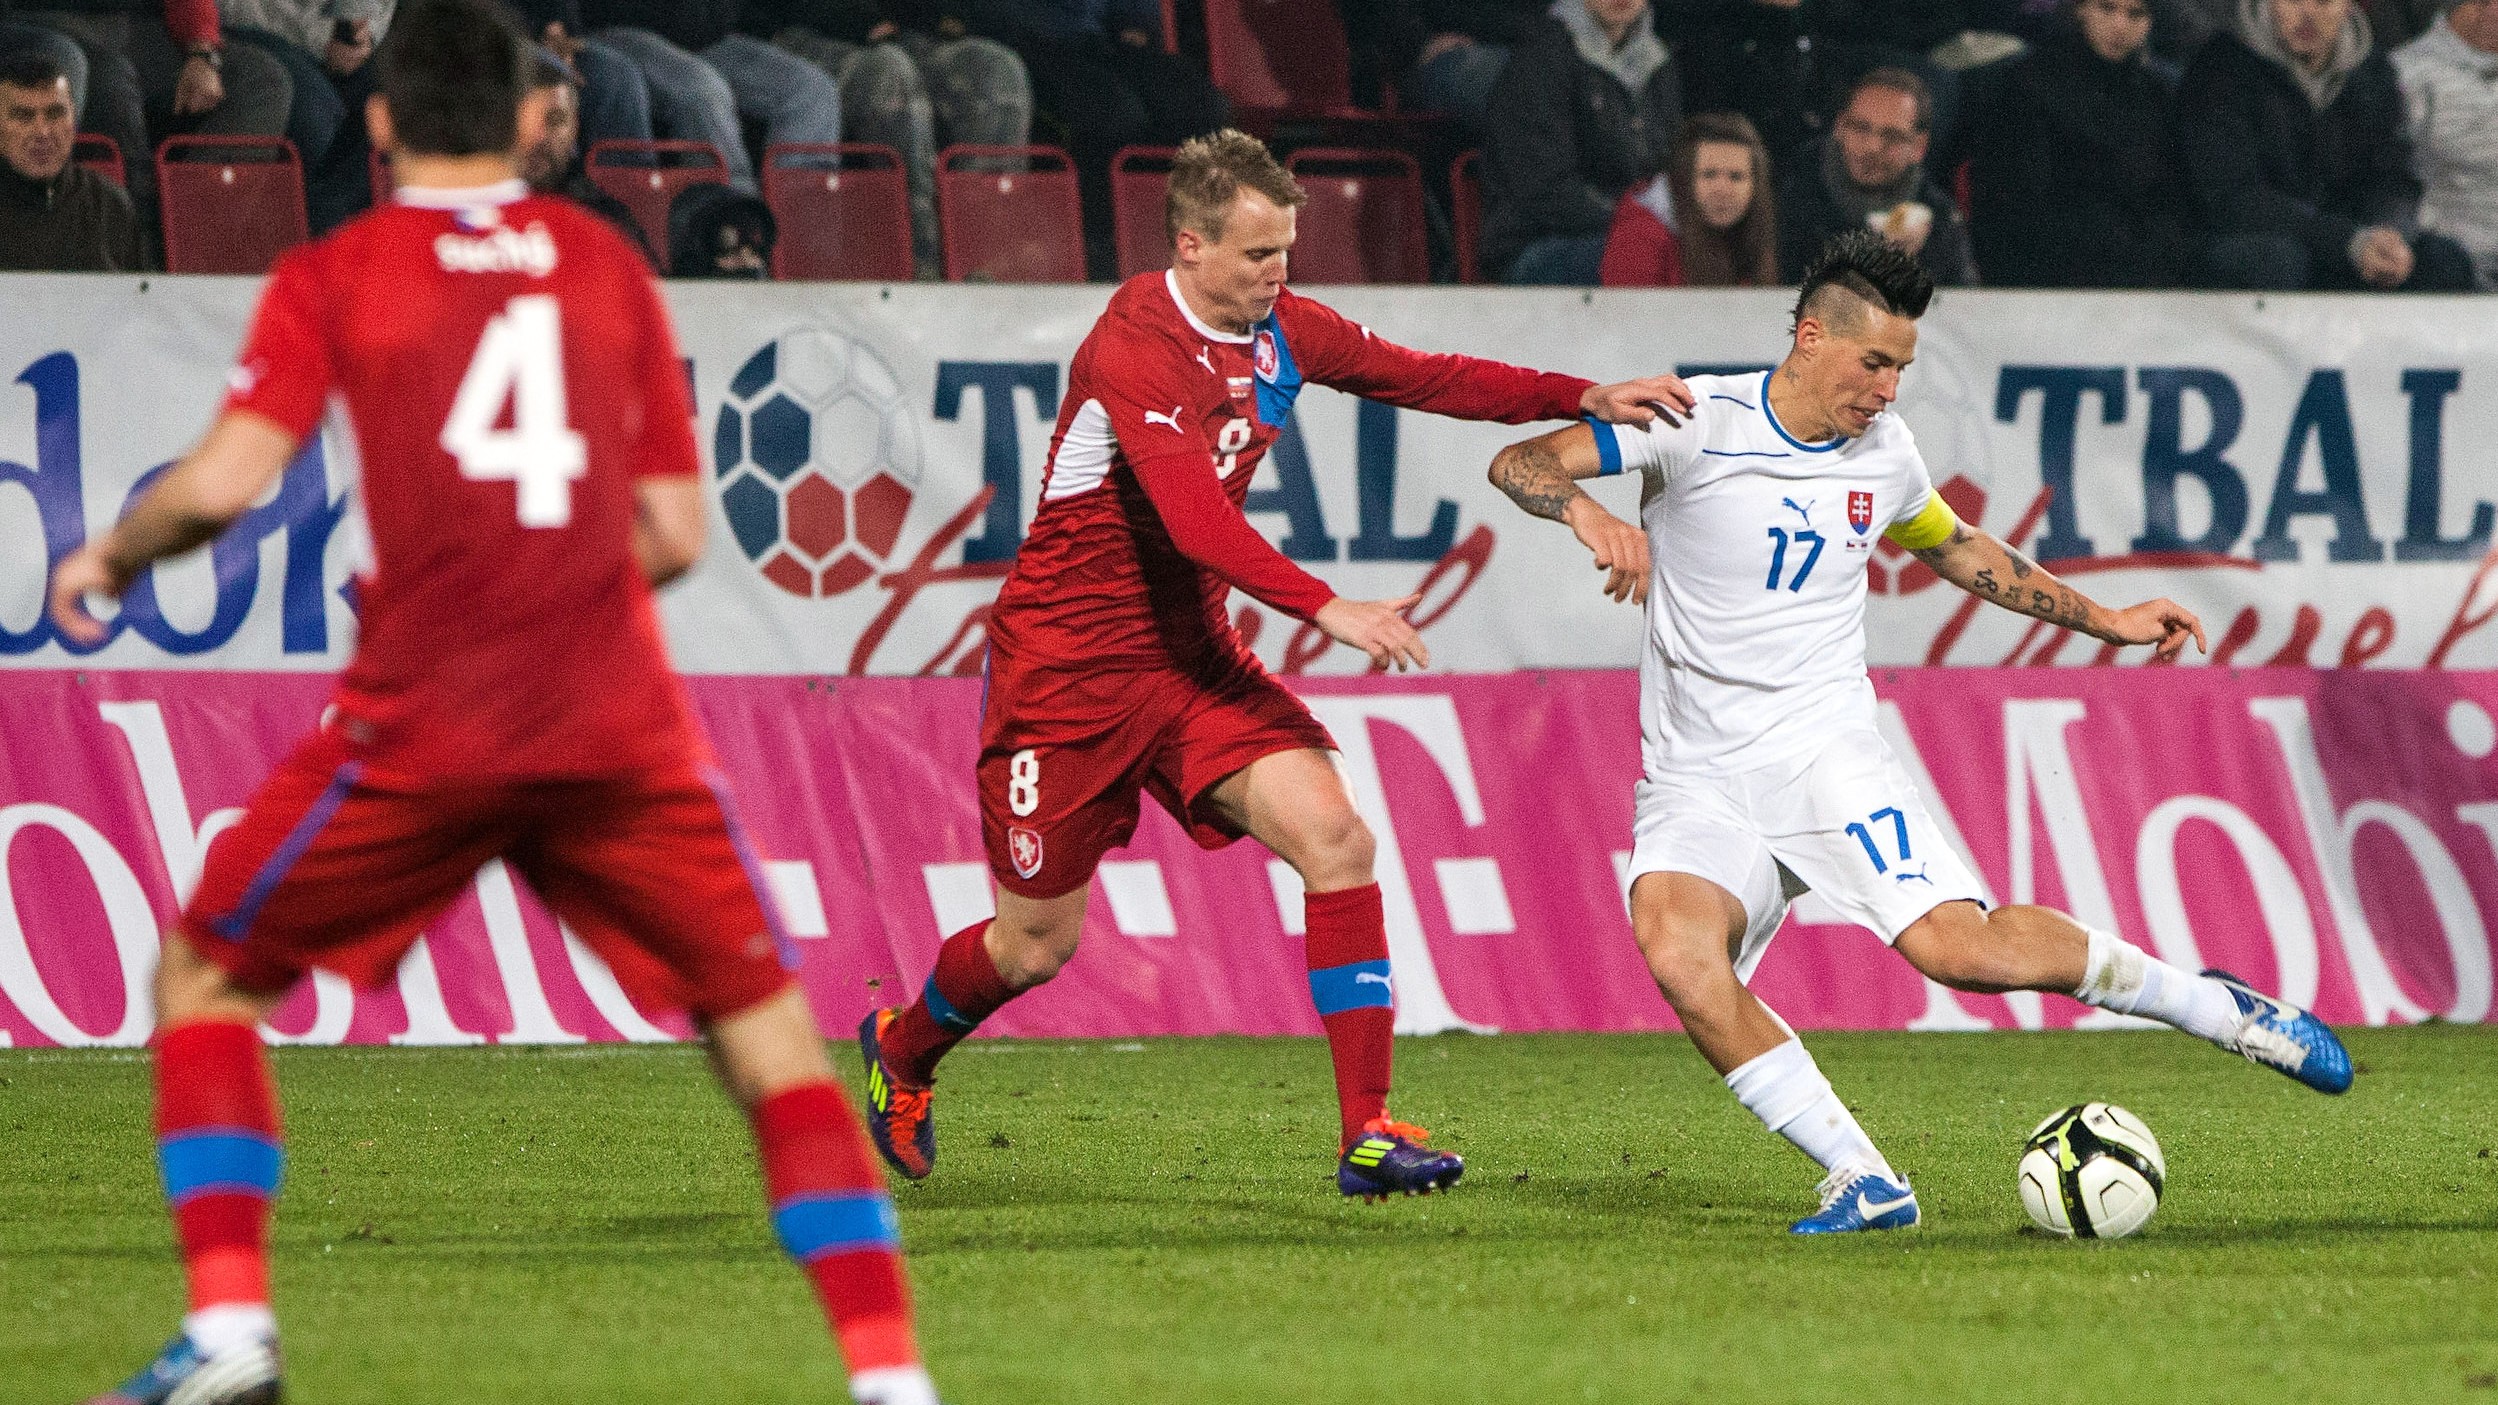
x=1756 y=613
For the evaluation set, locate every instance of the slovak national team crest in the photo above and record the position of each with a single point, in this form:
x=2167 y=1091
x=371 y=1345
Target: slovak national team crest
x=1023 y=847
x=1262 y=352
x=1860 y=512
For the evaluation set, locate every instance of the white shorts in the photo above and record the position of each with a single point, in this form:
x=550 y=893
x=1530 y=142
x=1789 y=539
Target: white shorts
x=1843 y=822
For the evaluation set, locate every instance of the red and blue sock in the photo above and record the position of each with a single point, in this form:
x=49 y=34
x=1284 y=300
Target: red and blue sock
x=831 y=1213
x=218 y=1146
x=1349 y=983
x=964 y=990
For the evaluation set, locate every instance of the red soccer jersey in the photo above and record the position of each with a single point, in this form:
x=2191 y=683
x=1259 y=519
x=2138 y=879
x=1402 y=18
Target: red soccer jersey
x=1140 y=537
x=509 y=373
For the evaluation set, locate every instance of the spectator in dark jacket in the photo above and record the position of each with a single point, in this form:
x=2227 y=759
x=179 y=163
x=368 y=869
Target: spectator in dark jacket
x=1443 y=55
x=705 y=76
x=553 y=166
x=1870 y=170
x=1099 y=70
x=1789 y=65
x=2075 y=180
x=1586 y=109
x=2292 y=130
x=54 y=214
x=910 y=78
x=1708 y=222
x=615 y=97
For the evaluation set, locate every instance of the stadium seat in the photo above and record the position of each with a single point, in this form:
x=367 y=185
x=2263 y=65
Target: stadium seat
x=1364 y=222
x=646 y=176
x=1465 y=188
x=1010 y=226
x=1139 y=177
x=848 y=223
x=1287 y=61
x=102 y=155
x=231 y=204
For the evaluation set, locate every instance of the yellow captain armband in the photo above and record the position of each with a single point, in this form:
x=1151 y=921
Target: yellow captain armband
x=1932 y=526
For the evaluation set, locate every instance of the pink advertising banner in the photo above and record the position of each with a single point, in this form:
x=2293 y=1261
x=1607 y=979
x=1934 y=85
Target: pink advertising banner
x=2329 y=834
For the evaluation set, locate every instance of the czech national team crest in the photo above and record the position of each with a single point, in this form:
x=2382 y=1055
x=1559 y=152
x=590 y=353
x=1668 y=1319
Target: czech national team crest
x=1860 y=512
x=1263 y=353
x=1023 y=846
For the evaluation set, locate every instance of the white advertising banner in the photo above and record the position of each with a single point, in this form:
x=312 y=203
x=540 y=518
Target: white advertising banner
x=2312 y=474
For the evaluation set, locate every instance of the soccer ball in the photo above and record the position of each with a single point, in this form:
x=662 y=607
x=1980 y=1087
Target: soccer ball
x=816 y=456
x=2092 y=1171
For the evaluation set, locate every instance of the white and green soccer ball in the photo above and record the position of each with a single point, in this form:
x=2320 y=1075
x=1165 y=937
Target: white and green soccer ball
x=2092 y=1172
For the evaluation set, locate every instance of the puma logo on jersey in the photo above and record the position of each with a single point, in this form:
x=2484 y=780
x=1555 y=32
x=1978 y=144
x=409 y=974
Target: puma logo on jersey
x=1172 y=419
x=1804 y=511
x=1205 y=360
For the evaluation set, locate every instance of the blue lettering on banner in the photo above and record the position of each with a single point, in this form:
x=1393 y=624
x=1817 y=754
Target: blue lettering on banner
x=2165 y=459
x=1001 y=440
x=1374 y=480
x=2324 y=413
x=1295 y=495
x=2060 y=405
x=2428 y=390
x=302 y=511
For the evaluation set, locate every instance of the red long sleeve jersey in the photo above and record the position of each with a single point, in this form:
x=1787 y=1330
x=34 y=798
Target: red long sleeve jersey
x=1140 y=536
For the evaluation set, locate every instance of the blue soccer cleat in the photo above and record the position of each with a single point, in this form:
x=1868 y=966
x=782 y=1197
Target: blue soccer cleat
x=2282 y=1036
x=899 y=1118
x=1854 y=1199
x=1389 y=1158
x=180 y=1375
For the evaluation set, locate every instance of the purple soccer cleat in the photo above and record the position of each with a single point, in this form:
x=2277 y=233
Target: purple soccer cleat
x=1389 y=1158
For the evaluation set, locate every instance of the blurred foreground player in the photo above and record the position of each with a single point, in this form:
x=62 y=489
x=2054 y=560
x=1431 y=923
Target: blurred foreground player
x=1765 y=773
x=509 y=697
x=1114 y=668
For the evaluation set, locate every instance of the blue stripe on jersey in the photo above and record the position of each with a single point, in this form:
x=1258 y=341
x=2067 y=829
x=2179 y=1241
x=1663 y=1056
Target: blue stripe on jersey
x=812 y=1226
x=1359 y=985
x=1275 y=397
x=1746 y=453
x=219 y=1161
x=942 y=1010
x=235 y=925
x=1772 y=416
x=1608 y=448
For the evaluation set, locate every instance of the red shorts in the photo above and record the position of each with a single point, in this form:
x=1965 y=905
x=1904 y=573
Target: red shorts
x=1064 y=753
x=650 y=870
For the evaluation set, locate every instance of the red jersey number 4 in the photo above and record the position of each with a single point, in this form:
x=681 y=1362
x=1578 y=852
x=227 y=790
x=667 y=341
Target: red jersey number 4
x=519 y=362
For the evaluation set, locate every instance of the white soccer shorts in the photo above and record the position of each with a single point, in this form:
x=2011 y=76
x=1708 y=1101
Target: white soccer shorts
x=1843 y=821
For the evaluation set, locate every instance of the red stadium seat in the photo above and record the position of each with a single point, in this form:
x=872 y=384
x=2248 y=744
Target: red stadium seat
x=1364 y=222
x=1139 y=178
x=102 y=155
x=1287 y=60
x=231 y=204
x=646 y=176
x=1010 y=226
x=1465 y=188
x=847 y=223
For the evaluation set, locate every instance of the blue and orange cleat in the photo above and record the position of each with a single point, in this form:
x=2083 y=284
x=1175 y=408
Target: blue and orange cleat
x=1389 y=1158
x=898 y=1116
x=2281 y=1036
x=1853 y=1198
x=180 y=1375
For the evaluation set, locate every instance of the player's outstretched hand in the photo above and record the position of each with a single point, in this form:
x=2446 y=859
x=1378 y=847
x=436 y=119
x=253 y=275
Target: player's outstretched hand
x=1621 y=549
x=1640 y=401
x=1377 y=628
x=2164 y=624
x=82 y=573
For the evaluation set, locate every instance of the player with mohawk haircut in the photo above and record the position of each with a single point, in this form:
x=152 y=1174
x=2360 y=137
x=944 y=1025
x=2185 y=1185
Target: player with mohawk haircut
x=1764 y=774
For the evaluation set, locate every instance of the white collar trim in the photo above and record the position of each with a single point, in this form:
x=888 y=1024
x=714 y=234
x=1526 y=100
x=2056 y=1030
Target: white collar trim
x=466 y=197
x=1171 y=280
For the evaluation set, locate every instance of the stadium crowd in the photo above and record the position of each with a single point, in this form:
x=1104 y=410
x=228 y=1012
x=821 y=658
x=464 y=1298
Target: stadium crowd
x=2259 y=144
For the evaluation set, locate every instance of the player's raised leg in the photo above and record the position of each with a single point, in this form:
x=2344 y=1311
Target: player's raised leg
x=219 y=1148
x=978 y=970
x=2024 y=947
x=829 y=1206
x=1295 y=803
x=1691 y=930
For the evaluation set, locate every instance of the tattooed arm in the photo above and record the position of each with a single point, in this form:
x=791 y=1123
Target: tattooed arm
x=1990 y=570
x=1541 y=475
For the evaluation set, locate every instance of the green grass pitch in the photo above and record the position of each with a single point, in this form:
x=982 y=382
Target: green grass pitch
x=1152 y=1222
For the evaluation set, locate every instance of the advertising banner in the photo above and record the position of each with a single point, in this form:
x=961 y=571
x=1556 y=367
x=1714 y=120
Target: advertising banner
x=2332 y=835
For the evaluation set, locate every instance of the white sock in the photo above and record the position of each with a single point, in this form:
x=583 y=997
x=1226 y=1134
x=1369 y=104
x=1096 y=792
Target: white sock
x=1785 y=1089
x=893 y=1385
x=220 y=1329
x=2123 y=977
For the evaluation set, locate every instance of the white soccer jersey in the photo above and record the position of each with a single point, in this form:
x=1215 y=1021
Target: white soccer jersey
x=1756 y=610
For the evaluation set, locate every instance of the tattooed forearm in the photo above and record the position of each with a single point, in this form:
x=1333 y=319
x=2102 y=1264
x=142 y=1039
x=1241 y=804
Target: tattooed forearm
x=1532 y=475
x=1988 y=568
x=2021 y=565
